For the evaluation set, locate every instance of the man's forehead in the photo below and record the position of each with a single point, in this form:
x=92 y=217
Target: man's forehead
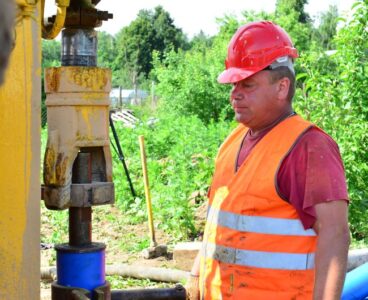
x=256 y=77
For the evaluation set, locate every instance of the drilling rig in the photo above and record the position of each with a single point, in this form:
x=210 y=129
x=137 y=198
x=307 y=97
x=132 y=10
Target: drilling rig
x=77 y=164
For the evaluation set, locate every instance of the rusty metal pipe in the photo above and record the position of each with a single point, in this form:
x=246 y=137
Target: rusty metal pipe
x=80 y=226
x=80 y=218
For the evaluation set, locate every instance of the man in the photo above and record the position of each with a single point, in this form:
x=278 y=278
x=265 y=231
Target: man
x=6 y=34
x=277 y=220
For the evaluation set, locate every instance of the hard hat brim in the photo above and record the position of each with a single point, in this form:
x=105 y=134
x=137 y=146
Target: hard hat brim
x=232 y=75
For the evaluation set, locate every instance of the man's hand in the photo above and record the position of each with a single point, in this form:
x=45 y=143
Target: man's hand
x=332 y=249
x=192 y=287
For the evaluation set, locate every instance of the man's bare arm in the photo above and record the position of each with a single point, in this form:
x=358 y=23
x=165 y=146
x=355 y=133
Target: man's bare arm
x=332 y=249
x=195 y=267
x=192 y=285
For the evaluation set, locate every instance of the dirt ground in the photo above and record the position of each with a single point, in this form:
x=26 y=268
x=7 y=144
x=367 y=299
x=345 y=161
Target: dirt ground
x=124 y=242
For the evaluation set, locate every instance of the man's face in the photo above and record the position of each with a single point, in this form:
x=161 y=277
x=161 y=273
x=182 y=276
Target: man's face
x=254 y=101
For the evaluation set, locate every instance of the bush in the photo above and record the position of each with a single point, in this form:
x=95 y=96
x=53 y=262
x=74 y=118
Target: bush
x=188 y=81
x=338 y=102
x=180 y=159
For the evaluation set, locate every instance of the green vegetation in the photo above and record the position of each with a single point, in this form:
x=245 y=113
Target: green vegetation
x=131 y=56
x=334 y=95
x=117 y=283
x=193 y=115
x=180 y=153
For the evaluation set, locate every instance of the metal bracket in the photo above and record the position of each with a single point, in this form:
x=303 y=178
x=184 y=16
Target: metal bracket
x=81 y=195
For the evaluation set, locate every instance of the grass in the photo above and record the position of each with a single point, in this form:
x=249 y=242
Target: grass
x=119 y=282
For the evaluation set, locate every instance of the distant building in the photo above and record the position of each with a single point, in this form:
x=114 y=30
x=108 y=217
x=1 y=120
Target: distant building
x=119 y=97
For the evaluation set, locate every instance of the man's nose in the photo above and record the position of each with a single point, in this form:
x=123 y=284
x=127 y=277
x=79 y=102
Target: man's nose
x=235 y=93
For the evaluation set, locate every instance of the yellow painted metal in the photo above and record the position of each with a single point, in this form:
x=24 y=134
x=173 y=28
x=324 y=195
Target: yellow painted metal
x=31 y=3
x=50 y=32
x=26 y=9
x=147 y=191
x=77 y=116
x=20 y=98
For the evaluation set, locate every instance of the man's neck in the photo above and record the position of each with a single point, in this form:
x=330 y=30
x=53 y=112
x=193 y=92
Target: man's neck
x=283 y=116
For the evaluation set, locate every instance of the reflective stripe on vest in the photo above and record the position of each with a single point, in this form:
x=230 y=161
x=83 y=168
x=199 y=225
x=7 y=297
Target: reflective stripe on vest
x=259 y=259
x=258 y=224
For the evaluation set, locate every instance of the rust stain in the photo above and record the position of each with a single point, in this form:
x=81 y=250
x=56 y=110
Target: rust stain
x=62 y=163
x=49 y=165
x=84 y=137
x=52 y=79
x=89 y=78
x=96 y=96
x=55 y=166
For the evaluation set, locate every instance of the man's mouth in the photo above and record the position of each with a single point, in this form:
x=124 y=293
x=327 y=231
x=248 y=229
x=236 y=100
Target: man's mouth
x=239 y=108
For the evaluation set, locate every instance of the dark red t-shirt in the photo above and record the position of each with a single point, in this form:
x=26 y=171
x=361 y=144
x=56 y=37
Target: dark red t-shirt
x=311 y=173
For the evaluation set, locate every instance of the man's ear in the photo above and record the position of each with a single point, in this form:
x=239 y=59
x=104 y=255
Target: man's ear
x=283 y=88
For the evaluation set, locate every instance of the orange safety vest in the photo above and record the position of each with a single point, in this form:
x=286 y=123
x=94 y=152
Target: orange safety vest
x=255 y=246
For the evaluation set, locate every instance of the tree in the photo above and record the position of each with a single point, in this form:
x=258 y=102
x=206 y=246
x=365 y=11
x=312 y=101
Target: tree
x=290 y=15
x=51 y=53
x=166 y=34
x=252 y=16
x=106 y=50
x=150 y=31
x=201 y=40
x=287 y=7
x=326 y=30
x=187 y=81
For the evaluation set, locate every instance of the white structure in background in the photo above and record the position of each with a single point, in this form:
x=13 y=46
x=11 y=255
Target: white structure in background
x=119 y=97
x=126 y=117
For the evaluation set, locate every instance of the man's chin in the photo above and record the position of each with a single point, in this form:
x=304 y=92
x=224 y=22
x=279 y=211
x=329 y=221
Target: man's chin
x=241 y=119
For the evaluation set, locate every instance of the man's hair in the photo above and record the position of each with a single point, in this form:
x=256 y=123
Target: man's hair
x=7 y=19
x=281 y=72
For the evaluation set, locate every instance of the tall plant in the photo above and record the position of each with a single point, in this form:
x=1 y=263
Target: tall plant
x=338 y=102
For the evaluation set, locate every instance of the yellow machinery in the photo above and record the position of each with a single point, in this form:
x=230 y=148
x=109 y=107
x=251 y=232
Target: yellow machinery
x=20 y=98
x=77 y=163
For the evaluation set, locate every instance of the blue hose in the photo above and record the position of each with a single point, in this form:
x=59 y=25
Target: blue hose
x=356 y=284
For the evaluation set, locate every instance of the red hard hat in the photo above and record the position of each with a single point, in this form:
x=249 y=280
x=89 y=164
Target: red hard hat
x=253 y=47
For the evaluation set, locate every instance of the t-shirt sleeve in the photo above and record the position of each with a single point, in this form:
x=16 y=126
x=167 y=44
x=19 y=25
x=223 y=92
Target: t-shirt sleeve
x=312 y=173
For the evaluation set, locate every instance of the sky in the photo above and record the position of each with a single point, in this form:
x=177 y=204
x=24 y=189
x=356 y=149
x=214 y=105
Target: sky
x=192 y=16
